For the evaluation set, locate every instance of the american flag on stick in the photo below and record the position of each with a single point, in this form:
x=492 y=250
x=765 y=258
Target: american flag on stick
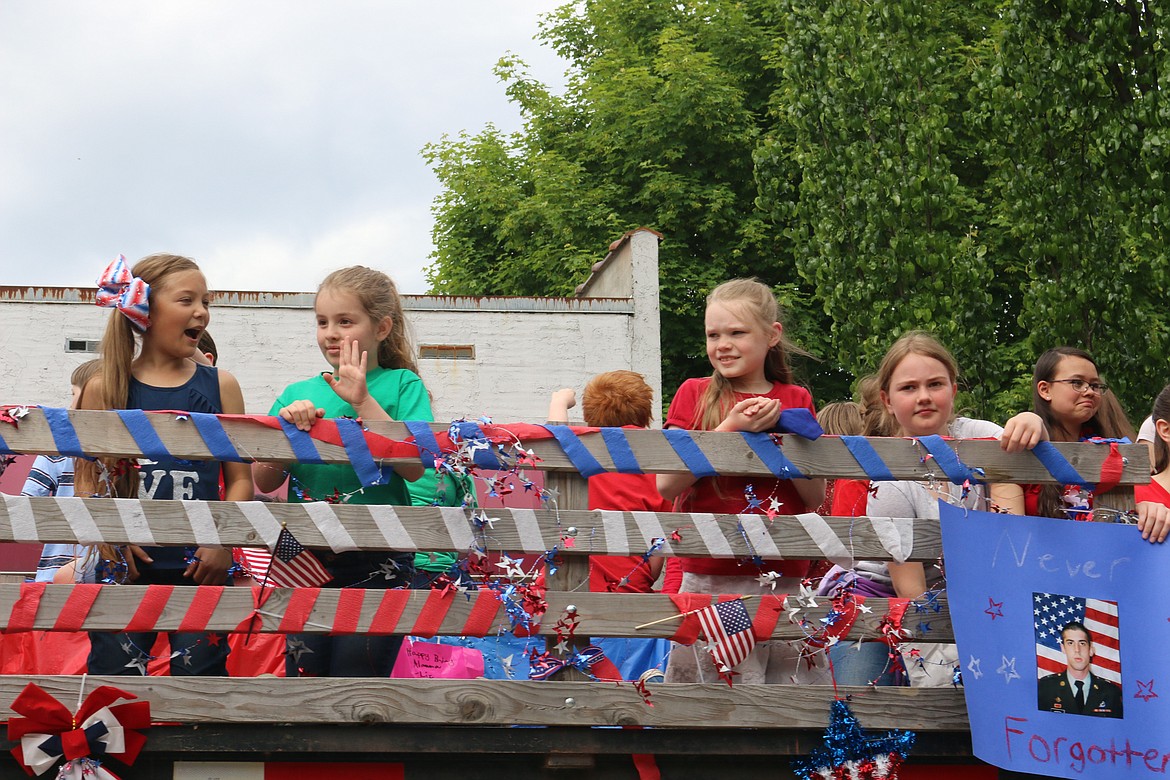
x=1053 y=611
x=728 y=629
x=293 y=566
x=255 y=559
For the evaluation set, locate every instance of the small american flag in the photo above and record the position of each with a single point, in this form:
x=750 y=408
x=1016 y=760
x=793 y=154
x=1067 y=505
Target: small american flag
x=293 y=566
x=729 y=632
x=255 y=559
x=1053 y=611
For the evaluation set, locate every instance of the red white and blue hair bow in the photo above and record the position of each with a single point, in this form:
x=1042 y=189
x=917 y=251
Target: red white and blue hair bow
x=49 y=732
x=119 y=289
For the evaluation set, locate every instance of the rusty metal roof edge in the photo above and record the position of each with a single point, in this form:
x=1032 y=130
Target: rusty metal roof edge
x=304 y=300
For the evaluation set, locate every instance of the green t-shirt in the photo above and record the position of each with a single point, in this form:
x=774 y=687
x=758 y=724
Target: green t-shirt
x=404 y=397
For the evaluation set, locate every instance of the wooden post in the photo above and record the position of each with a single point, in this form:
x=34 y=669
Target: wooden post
x=1120 y=498
x=573 y=573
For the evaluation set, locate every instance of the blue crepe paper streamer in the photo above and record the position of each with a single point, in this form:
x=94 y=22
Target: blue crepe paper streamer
x=581 y=458
x=301 y=442
x=689 y=452
x=866 y=456
x=1058 y=466
x=618 y=445
x=358 y=452
x=4 y=447
x=64 y=435
x=424 y=439
x=956 y=471
x=772 y=457
x=484 y=457
x=138 y=424
x=800 y=422
x=216 y=439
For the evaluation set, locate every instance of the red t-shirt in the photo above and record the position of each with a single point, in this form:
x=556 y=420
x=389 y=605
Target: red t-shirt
x=850 y=497
x=627 y=493
x=725 y=495
x=1151 y=492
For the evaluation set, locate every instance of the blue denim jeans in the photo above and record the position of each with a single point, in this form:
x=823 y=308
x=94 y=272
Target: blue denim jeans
x=871 y=663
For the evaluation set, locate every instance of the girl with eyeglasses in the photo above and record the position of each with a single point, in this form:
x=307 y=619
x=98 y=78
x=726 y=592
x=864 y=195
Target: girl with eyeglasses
x=1074 y=403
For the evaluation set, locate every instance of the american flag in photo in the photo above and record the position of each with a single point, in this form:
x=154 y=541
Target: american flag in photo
x=728 y=629
x=1053 y=611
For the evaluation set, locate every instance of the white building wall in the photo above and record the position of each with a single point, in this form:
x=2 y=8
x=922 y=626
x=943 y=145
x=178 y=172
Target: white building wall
x=524 y=347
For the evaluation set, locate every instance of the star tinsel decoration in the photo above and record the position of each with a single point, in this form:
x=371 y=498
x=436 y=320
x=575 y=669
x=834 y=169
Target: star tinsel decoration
x=849 y=754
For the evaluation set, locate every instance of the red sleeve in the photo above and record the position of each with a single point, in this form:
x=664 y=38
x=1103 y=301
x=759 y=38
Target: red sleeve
x=809 y=403
x=794 y=397
x=1151 y=492
x=672 y=577
x=850 y=497
x=682 y=407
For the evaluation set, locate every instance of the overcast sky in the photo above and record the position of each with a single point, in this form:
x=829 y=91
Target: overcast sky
x=270 y=141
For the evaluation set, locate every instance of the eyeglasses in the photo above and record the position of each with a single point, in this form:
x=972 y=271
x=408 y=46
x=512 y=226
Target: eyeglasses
x=1080 y=386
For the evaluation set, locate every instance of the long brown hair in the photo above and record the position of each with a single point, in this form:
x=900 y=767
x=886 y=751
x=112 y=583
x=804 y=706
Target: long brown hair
x=755 y=301
x=379 y=297
x=1109 y=421
x=912 y=342
x=119 y=345
x=1161 y=412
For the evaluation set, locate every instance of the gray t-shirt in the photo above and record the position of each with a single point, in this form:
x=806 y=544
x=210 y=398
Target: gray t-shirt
x=912 y=499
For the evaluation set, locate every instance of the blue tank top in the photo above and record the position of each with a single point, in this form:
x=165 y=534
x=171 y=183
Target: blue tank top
x=171 y=478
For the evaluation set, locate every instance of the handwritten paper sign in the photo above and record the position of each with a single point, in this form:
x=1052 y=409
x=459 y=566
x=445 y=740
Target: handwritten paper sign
x=420 y=659
x=1062 y=628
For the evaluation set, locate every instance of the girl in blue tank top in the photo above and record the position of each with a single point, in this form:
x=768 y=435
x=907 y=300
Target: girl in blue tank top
x=162 y=305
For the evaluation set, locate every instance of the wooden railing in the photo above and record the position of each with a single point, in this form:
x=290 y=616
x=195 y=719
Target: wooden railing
x=223 y=706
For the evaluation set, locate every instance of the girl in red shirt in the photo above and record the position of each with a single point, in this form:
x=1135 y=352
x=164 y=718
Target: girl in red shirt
x=751 y=383
x=1158 y=490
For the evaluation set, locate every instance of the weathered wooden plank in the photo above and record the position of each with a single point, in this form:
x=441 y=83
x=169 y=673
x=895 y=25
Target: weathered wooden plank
x=497 y=702
x=103 y=434
x=602 y=614
x=506 y=745
x=381 y=527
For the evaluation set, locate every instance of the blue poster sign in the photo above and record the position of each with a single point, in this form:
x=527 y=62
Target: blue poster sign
x=1062 y=629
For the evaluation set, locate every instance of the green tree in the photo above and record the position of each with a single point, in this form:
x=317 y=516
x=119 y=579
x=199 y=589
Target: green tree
x=994 y=171
x=883 y=213
x=1073 y=105
x=657 y=127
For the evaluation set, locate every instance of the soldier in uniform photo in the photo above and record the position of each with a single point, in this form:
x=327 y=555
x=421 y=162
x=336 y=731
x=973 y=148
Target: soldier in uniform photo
x=1077 y=690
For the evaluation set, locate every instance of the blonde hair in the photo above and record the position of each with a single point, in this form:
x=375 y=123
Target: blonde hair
x=379 y=298
x=873 y=411
x=913 y=342
x=119 y=344
x=841 y=418
x=754 y=300
x=85 y=372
